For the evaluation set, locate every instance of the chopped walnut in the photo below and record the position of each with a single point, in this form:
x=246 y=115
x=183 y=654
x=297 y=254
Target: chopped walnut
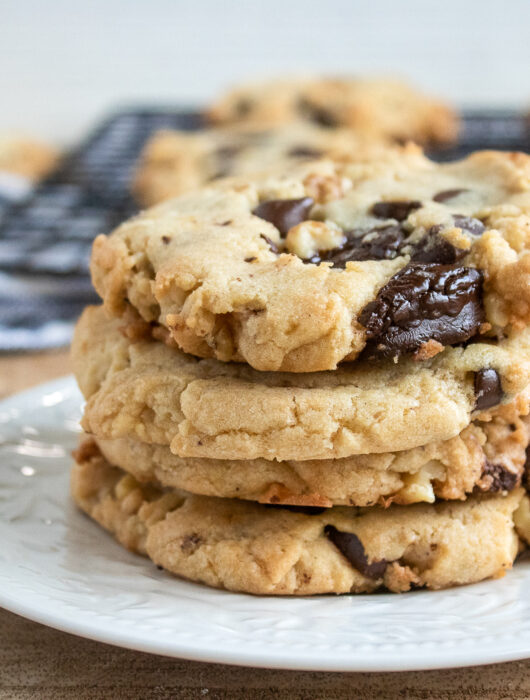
x=428 y=350
x=310 y=237
x=325 y=188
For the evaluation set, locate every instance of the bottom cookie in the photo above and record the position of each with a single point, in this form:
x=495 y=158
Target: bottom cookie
x=276 y=550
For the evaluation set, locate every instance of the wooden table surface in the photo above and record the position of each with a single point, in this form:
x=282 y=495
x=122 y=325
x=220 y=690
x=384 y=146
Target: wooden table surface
x=39 y=662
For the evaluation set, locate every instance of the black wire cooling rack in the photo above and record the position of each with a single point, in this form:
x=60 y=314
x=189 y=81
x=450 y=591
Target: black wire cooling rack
x=48 y=235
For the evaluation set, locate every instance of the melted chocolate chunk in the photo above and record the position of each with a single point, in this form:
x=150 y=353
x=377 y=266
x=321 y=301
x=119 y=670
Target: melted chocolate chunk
x=272 y=245
x=376 y=244
x=444 y=195
x=499 y=478
x=305 y=152
x=434 y=248
x=469 y=224
x=284 y=213
x=423 y=302
x=398 y=210
x=351 y=547
x=316 y=114
x=488 y=388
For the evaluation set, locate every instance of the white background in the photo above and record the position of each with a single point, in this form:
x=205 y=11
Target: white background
x=65 y=63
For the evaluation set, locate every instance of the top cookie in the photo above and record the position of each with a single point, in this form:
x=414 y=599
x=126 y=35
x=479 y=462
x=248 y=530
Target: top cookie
x=300 y=270
x=174 y=162
x=385 y=108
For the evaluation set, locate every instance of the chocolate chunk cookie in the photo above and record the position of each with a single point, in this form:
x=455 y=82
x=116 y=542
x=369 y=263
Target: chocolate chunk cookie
x=146 y=390
x=488 y=456
x=276 y=550
x=302 y=269
x=174 y=162
x=383 y=108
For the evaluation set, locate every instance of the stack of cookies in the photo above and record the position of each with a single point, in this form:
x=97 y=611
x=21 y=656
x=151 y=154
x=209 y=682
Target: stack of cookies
x=315 y=379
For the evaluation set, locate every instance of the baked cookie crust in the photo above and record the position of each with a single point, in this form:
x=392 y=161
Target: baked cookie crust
x=300 y=271
x=271 y=550
x=142 y=389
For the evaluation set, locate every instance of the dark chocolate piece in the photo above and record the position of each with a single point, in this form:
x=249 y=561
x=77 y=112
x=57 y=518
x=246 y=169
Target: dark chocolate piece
x=434 y=248
x=500 y=479
x=351 y=547
x=469 y=224
x=398 y=210
x=272 y=245
x=422 y=302
x=376 y=244
x=305 y=152
x=316 y=114
x=488 y=388
x=284 y=213
x=444 y=195
x=190 y=543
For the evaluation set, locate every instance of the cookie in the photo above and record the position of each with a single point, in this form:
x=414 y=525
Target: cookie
x=25 y=157
x=487 y=457
x=272 y=550
x=141 y=388
x=384 y=108
x=300 y=271
x=174 y=162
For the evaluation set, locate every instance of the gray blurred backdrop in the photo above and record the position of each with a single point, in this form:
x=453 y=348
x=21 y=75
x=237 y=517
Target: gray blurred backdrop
x=64 y=63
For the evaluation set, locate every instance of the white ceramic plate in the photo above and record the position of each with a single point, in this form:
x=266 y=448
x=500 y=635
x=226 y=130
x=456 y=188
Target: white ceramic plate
x=59 y=568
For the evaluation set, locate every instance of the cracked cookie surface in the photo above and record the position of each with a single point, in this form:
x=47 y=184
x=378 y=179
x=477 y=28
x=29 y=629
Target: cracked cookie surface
x=142 y=389
x=272 y=550
x=383 y=108
x=303 y=270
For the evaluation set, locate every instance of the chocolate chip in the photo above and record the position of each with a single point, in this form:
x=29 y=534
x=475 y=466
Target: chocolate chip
x=423 y=302
x=398 y=210
x=434 y=248
x=165 y=239
x=488 y=388
x=376 y=244
x=316 y=114
x=497 y=478
x=251 y=259
x=272 y=245
x=469 y=224
x=351 y=547
x=190 y=543
x=243 y=106
x=284 y=213
x=444 y=195
x=305 y=152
